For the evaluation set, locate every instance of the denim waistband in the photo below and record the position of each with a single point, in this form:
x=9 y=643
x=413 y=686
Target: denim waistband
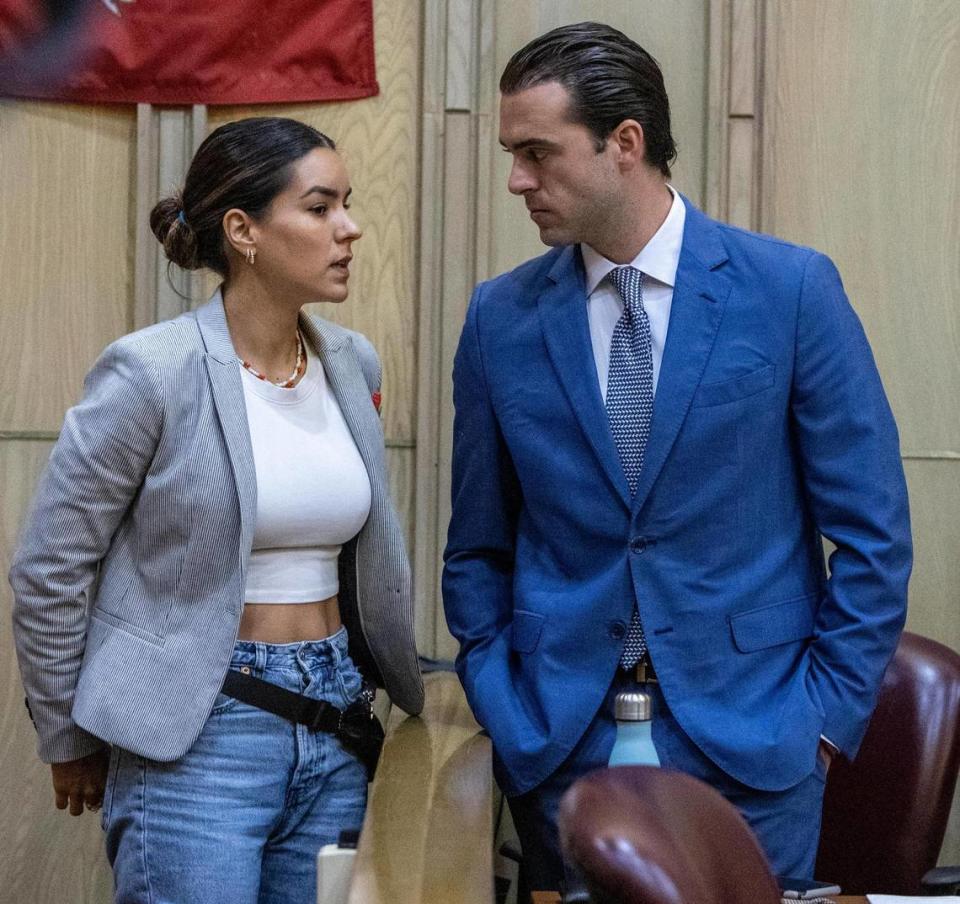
x=256 y=654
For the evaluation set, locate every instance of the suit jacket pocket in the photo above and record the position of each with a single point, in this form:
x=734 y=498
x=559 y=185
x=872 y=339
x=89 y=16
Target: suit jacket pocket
x=525 y=633
x=735 y=388
x=770 y=626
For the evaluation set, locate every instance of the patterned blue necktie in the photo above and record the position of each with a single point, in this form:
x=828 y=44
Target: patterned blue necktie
x=630 y=405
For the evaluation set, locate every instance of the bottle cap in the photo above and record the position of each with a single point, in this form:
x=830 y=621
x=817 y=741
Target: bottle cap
x=633 y=706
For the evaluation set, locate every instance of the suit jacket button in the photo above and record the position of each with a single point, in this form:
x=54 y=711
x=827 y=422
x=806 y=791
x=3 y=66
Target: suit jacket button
x=618 y=630
x=638 y=545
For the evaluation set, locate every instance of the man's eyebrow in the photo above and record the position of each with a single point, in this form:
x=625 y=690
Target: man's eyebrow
x=325 y=191
x=530 y=142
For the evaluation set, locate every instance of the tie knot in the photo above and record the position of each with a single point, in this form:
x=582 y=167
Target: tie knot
x=629 y=283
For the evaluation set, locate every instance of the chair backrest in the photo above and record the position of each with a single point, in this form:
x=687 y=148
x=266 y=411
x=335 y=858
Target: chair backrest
x=885 y=813
x=643 y=835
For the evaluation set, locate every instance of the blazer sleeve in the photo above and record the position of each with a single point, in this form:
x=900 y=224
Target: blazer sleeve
x=485 y=494
x=104 y=449
x=852 y=472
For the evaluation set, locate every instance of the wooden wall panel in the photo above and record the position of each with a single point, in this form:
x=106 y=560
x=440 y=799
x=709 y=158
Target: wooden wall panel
x=935 y=585
x=401 y=466
x=859 y=160
x=65 y=252
x=457 y=106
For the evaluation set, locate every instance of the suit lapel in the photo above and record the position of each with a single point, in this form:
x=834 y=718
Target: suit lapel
x=699 y=297
x=227 y=388
x=566 y=330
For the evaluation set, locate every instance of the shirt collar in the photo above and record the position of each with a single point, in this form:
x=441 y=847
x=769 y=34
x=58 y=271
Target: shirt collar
x=659 y=258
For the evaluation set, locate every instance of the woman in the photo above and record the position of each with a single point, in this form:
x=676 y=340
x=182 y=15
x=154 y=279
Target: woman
x=219 y=497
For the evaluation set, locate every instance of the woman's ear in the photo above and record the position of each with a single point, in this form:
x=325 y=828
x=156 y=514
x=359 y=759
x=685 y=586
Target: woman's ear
x=240 y=231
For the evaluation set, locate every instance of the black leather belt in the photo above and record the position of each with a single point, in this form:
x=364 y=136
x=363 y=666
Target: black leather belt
x=357 y=727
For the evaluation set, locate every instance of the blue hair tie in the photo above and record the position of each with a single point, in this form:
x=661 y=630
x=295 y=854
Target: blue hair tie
x=182 y=218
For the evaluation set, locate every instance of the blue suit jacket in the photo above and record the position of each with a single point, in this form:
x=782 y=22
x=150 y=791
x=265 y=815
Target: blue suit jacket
x=770 y=430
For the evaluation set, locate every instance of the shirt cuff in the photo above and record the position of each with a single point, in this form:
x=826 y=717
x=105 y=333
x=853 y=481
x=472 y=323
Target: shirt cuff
x=833 y=747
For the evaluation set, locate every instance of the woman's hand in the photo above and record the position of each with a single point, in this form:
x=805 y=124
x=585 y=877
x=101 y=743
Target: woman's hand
x=80 y=782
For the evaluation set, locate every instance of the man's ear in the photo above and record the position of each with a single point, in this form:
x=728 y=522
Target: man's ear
x=628 y=140
x=240 y=230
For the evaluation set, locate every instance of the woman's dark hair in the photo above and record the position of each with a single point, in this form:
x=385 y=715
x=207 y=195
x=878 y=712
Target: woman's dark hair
x=609 y=77
x=243 y=164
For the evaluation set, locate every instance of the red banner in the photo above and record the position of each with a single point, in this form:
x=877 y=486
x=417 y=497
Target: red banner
x=189 y=51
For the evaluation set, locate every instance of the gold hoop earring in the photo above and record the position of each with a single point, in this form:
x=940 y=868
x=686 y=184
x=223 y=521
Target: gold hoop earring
x=251 y=256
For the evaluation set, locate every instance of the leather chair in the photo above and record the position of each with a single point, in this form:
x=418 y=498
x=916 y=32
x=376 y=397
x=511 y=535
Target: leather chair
x=643 y=835
x=885 y=813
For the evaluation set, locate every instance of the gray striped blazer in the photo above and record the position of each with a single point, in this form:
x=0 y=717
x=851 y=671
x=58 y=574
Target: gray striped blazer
x=129 y=579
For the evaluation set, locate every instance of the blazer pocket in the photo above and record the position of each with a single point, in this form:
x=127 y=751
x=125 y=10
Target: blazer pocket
x=770 y=626
x=119 y=624
x=735 y=388
x=525 y=632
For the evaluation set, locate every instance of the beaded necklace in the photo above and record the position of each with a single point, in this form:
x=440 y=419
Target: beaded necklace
x=289 y=381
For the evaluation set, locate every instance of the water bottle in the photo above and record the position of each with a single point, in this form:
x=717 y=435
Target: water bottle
x=633 y=710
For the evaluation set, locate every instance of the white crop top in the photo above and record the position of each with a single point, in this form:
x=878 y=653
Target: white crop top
x=313 y=492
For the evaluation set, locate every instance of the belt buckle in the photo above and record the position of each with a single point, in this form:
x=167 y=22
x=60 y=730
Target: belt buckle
x=320 y=720
x=644 y=671
x=353 y=721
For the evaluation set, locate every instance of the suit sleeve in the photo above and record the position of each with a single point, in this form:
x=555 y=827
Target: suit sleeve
x=485 y=496
x=853 y=476
x=105 y=447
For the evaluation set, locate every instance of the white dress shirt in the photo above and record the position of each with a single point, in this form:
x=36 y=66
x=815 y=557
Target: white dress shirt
x=658 y=260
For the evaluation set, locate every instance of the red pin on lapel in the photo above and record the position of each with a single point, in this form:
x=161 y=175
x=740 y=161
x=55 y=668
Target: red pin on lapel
x=375 y=396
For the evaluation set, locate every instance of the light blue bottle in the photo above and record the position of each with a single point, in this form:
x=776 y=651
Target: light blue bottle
x=634 y=744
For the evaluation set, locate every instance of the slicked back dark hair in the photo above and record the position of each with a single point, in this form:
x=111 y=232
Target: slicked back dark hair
x=609 y=77
x=243 y=164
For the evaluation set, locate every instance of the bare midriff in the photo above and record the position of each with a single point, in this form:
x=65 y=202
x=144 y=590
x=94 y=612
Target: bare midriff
x=289 y=622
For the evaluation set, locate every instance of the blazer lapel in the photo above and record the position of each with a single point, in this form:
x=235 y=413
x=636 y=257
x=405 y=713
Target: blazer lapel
x=566 y=330
x=351 y=390
x=699 y=297
x=227 y=389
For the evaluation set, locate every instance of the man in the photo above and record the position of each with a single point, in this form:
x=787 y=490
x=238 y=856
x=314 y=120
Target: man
x=656 y=423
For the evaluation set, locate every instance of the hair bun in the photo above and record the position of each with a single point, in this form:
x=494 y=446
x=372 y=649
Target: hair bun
x=175 y=233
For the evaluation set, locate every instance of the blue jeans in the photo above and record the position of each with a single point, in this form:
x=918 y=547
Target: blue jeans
x=239 y=819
